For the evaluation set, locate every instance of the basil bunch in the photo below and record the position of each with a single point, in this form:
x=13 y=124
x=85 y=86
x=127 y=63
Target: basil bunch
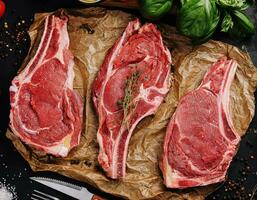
x=199 y=19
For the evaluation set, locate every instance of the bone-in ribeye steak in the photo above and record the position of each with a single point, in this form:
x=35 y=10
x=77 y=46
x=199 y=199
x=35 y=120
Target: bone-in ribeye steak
x=45 y=111
x=201 y=140
x=130 y=85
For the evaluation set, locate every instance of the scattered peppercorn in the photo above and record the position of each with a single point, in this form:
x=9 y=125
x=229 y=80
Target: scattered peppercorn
x=14 y=39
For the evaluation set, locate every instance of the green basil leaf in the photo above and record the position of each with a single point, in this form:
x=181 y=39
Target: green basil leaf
x=155 y=9
x=243 y=26
x=235 y=4
x=198 y=19
x=227 y=23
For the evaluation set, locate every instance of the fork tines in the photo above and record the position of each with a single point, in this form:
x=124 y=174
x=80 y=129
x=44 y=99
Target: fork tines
x=37 y=195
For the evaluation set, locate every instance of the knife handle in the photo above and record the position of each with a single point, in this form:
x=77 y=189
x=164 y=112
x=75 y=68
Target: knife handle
x=96 y=197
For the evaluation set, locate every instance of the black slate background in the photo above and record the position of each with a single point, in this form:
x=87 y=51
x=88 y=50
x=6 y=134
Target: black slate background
x=14 y=170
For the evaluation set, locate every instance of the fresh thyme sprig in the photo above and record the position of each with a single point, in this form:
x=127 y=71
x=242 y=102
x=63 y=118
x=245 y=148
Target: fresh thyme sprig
x=130 y=86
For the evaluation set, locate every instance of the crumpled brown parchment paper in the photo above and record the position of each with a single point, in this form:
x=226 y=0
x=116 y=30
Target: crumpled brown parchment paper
x=92 y=32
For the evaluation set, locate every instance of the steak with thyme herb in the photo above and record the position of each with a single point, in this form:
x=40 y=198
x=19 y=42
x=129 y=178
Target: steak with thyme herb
x=131 y=84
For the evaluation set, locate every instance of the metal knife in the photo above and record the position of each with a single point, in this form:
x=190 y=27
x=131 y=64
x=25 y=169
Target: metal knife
x=69 y=189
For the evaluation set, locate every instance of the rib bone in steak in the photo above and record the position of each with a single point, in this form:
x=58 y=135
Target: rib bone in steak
x=130 y=85
x=201 y=140
x=45 y=111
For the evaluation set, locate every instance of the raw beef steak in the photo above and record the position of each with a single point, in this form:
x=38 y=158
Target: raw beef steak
x=130 y=85
x=45 y=111
x=201 y=140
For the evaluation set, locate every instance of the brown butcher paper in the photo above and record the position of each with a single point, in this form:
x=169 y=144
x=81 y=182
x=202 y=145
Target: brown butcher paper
x=92 y=32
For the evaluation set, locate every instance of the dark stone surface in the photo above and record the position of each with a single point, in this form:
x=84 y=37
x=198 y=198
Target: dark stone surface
x=13 y=168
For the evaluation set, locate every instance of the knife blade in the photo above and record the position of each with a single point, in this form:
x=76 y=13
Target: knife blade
x=69 y=189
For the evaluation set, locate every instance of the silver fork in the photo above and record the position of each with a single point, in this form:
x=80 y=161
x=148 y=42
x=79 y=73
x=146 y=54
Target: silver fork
x=37 y=195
